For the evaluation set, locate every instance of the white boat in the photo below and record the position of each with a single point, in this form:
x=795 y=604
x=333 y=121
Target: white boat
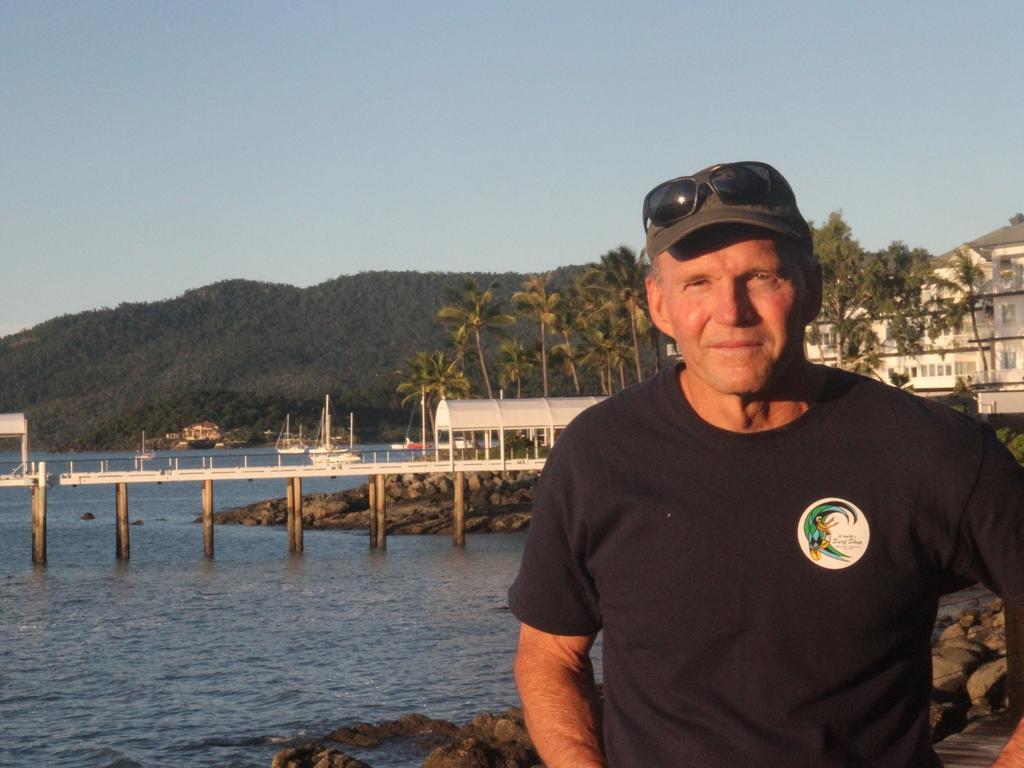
x=289 y=443
x=409 y=444
x=142 y=453
x=324 y=453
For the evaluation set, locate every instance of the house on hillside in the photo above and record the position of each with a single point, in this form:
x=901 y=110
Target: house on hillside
x=203 y=430
x=988 y=352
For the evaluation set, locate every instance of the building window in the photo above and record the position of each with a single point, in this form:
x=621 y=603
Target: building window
x=1008 y=313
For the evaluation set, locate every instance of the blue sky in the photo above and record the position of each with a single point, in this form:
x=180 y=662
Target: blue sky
x=149 y=148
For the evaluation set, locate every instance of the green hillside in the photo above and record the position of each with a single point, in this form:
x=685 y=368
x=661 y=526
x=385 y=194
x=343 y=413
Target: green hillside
x=238 y=352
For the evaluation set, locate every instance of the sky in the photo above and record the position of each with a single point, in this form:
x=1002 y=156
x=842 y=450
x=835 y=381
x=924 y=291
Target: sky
x=147 y=148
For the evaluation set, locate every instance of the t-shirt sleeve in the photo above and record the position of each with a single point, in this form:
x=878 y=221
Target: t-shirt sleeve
x=554 y=591
x=991 y=542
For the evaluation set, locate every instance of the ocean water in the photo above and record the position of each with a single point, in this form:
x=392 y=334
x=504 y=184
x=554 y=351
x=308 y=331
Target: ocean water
x=172 y=659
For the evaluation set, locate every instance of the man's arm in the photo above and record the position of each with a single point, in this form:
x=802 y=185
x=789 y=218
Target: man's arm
x=1012 y=755
x=556 y=685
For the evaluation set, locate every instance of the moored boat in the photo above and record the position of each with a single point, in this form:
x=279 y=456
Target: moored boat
x=289 y=443
x=143 y=453
x=324 y=453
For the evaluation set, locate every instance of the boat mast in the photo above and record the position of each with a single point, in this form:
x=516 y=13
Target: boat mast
x=327 y=421
x=423 y=416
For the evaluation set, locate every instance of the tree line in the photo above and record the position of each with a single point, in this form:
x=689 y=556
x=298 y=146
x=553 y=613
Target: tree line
x=592 y=334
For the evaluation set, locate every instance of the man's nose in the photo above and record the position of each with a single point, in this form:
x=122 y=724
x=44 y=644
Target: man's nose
x=733 y=304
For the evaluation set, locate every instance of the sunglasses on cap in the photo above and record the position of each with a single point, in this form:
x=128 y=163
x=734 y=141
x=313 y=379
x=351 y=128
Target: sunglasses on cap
x=746 y=183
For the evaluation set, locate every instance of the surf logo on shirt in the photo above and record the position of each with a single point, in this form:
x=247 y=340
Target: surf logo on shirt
x=833 y=533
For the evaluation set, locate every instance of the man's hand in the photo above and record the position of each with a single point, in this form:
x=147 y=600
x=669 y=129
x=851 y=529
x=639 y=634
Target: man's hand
x=556 y=684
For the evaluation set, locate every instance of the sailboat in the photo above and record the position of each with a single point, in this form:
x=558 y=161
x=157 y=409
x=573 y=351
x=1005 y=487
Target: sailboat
x=408 y=443
x=142 y=453
x=287 y=442
x=324 y=453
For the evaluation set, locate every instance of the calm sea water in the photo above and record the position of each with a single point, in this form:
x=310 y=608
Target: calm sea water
x=174 y=660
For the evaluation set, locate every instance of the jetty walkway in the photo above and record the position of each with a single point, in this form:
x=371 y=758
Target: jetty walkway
x=205 y=469
x=471 y=435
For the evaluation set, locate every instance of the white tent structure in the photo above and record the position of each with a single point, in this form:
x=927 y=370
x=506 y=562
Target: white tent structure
x=472 y=424
x=16 y=425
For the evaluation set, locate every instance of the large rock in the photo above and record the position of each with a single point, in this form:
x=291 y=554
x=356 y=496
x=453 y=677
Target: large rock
x=414 y=725
x=489 y=741
x=314 y=755
x=986 y=684
x=950 y=668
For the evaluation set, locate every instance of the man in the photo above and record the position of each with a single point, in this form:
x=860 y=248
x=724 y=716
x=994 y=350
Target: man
x=762 y=541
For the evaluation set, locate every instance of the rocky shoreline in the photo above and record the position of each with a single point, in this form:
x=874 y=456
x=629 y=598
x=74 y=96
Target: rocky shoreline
x=489 y=740
x=968 y=668
x=416 y=504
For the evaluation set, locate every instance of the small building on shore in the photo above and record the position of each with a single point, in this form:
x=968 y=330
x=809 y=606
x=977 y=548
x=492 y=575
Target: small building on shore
x=202 y=430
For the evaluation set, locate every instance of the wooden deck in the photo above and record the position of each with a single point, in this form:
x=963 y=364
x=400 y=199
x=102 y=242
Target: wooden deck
x=978 y=745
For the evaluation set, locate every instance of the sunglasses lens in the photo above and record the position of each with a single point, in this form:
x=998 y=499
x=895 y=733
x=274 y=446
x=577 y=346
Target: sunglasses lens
x=670 y=202
x=741 y=183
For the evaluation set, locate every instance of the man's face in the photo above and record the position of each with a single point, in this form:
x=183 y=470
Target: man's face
x=737 y=309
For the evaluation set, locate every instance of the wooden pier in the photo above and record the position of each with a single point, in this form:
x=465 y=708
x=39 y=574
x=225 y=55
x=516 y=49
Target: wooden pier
x=205 y=469
x=978 y=745
x=468 y=423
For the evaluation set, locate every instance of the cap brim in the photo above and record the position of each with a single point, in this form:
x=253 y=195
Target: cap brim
x=661 y=240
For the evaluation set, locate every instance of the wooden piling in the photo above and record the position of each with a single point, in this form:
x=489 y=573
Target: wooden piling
x=123 y=545
x=459 y=511
x=296 y=533
x=371 y=491
x=1015 y=660
x=39 y=516
x=208 y=518
x=382 y=516
x=289 y=523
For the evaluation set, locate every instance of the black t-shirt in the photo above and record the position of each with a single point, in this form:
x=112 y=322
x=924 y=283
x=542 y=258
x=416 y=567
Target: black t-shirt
x=767 y=599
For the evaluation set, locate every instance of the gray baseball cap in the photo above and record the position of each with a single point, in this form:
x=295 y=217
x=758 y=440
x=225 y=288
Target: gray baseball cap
x=748 y=192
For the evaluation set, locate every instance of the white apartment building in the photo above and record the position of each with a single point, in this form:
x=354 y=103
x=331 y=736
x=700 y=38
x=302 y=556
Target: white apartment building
x=995 y=367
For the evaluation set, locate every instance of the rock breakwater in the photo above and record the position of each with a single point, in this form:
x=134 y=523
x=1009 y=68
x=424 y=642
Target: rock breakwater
x=968 y=668
x=489 y=740
x=416 y=504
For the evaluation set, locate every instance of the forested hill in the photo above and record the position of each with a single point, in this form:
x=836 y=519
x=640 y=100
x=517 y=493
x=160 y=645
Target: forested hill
x=83 y=378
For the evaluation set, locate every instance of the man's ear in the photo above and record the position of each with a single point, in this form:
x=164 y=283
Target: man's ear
x=812 y=307
x=656 y=306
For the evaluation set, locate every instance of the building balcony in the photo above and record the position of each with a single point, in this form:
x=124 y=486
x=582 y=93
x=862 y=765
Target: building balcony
x=1002 y=376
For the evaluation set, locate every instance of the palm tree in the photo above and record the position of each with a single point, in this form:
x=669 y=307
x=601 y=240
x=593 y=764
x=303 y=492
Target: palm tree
x=604 y=353
x=516 y=362
x=620 y=277
x=535 y=299
x=567 y=322
x=475 y=310
x=964 y=278
x=435 y=374
x=457 y=340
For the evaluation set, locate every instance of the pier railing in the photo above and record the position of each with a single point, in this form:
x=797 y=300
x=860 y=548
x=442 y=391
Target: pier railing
x=375 y=465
